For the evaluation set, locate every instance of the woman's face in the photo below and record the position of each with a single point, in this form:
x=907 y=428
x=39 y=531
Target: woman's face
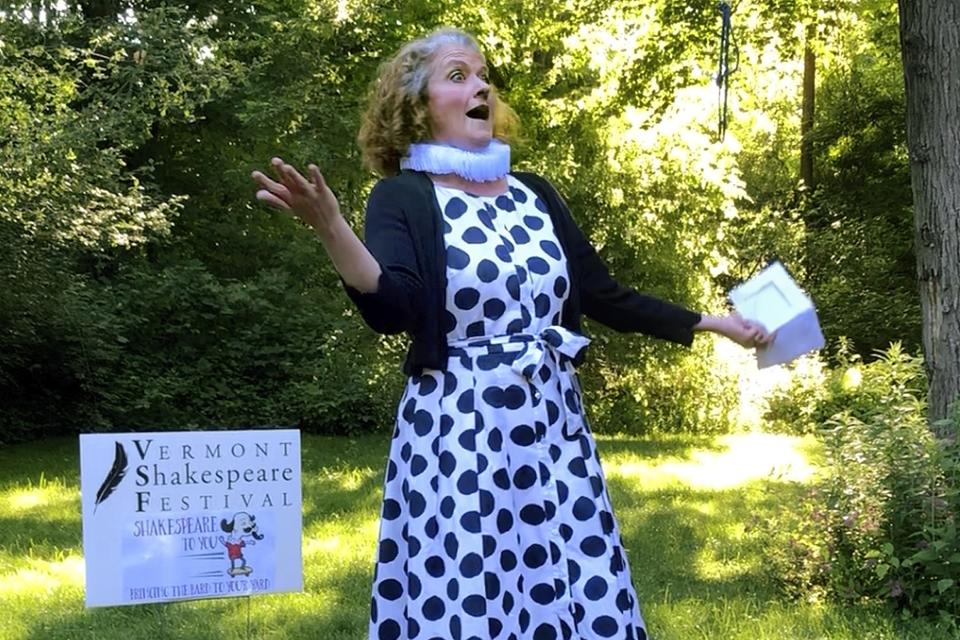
x=459 y=99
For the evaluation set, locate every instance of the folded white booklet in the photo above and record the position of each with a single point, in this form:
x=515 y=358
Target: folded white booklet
x=773 y=299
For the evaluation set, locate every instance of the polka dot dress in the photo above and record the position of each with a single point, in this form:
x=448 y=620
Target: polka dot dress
x=496 y=521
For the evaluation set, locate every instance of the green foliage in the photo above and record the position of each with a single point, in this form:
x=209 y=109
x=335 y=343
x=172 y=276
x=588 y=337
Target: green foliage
x=849 y=242
x=38 y=285
x=815 y=395
x=148 y=289
x=178 y=348
x=881 y=522
x=644 y=389
x=859 y=223
x=797 y=407
x=78 y=100
x=171 y=307
x=657 y=196
x=140 y=296
x=203 y=352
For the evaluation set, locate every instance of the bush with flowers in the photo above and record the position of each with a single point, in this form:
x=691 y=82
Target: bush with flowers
x=881 y=521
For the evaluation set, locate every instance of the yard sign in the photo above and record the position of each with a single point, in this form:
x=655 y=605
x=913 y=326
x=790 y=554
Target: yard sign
x=184 y=515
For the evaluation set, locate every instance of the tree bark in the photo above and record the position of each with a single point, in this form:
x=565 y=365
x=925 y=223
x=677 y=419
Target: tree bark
x=930 y=45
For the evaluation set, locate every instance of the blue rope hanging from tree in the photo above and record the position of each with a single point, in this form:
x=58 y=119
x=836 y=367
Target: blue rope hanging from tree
x=724 y=68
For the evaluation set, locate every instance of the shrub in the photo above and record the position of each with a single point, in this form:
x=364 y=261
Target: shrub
x=881 y=523
x=178 y=348
x=201 y=351
x=795 y=405
x=668 y=390
x=814 y=396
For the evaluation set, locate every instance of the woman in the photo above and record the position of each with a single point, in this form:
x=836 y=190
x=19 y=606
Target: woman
x=496 y=521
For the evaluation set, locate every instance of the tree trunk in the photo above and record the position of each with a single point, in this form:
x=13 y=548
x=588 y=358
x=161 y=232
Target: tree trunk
x=806 y=122
x=930 y=45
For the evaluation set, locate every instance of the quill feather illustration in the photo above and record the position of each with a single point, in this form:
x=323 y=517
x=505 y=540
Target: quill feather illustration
x=115 y=475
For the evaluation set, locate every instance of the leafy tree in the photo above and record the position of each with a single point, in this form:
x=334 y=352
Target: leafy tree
x=148 y=289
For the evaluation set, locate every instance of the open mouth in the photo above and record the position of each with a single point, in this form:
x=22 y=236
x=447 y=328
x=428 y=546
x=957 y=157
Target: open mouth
x=480 y=112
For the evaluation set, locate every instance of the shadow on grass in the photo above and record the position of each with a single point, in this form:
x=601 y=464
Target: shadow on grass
x=38 y=537
x=327 y=609
x=685 y=543
x=681 y=446
x=332 y=607
x=34 y=463
x=342 y=483
x=691 y=561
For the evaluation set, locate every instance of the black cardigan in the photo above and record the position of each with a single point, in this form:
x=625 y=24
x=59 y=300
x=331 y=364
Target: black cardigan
x=404 y=232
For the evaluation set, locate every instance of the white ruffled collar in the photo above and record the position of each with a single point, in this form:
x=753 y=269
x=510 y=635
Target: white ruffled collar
x=485 y=165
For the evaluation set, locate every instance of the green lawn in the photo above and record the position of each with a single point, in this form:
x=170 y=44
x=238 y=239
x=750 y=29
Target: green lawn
x=682 y=504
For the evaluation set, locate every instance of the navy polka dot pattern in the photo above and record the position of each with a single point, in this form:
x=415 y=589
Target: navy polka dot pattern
x=496 y=523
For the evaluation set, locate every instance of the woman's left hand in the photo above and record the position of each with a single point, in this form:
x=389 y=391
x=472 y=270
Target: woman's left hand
x=746 y=333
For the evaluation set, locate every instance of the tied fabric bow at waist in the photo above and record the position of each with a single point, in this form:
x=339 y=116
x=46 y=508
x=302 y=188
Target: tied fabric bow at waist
x=542 y=354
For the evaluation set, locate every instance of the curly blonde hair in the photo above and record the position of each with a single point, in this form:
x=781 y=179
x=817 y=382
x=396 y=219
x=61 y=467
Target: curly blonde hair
x=397 y=114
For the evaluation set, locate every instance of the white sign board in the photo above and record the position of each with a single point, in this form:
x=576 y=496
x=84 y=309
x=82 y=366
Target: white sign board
x=186 y=515
x=773 y=299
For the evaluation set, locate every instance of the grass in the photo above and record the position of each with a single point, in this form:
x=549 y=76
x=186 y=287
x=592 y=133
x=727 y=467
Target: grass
x=682 y=504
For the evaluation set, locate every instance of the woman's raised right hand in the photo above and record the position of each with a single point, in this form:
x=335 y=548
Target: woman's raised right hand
x=310 y=200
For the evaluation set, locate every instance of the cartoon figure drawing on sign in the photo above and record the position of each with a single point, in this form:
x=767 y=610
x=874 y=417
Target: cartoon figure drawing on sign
x=242 y=527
